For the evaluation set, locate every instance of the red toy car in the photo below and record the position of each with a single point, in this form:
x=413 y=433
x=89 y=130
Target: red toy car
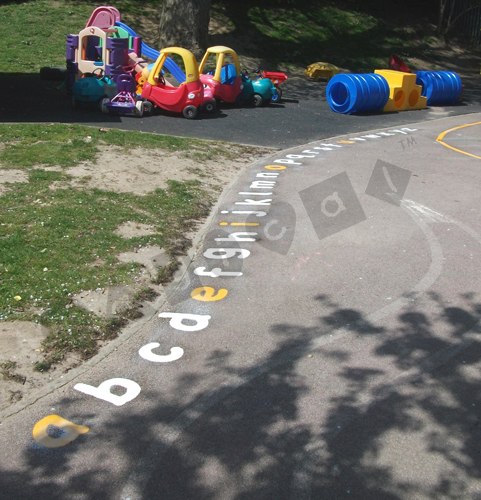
x=220 y=72
x=178 y=97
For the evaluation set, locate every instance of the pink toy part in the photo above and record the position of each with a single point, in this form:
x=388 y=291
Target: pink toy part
x=103 y=17
x=398 y=64
x=137 y=62
x=208 y=94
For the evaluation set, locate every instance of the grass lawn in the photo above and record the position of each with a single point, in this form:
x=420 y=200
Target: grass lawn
x=57 y=239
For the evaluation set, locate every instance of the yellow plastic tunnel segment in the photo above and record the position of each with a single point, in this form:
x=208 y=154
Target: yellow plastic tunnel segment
x=404 y=94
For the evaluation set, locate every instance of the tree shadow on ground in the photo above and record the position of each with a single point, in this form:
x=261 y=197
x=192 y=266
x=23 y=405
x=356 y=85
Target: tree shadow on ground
x=388 y=410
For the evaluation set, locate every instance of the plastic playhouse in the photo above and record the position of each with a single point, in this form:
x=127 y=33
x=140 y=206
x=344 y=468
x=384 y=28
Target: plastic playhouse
x=99 y=60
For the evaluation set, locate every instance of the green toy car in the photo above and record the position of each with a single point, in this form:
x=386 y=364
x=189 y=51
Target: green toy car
x=261 y=90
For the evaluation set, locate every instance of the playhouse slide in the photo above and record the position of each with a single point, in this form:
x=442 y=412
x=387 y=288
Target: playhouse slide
x=153 y=54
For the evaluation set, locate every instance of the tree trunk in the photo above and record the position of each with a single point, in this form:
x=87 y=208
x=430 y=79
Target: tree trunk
x=185 y=23
x=451 y=11
x=441 y=14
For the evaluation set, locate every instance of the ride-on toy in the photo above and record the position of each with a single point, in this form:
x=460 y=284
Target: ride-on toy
x=178 y=97
x=220 y=71
x=277 y=78
x=91 y=89
x=126 y=100
x=260 y=91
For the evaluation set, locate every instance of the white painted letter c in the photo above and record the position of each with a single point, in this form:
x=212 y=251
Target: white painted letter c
x=146 y=353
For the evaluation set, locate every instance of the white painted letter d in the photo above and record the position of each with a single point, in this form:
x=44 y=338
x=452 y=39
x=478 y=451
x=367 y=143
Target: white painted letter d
x=201 y=321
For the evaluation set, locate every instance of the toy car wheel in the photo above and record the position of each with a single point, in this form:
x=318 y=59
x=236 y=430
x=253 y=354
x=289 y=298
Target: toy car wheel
x=103 y=105
x=210 y=106
x=276 y=95
x=190 y=112
x=139 y=108
x=258 y=101
x=148 y=108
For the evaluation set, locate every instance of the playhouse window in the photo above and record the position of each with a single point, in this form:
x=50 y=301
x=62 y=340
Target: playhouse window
x=92 y=49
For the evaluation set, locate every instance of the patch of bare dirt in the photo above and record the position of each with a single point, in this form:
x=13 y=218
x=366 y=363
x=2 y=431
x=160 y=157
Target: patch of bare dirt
x=10 y=176
x=20 y=349
x=144 y=171
x=134 y=230
x=105 y=302
x=151 y=258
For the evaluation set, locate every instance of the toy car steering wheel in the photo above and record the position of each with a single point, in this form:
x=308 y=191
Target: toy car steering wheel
x=98 y=72
x=160 y=79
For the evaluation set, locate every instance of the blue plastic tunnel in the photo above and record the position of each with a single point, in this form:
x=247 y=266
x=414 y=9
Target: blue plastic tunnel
x=357 y=93
x=440 y=87
x=153 y=54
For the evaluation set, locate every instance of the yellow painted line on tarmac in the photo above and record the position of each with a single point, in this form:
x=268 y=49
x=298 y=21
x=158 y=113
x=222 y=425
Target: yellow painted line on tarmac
x=442 y=135
x=239 y=224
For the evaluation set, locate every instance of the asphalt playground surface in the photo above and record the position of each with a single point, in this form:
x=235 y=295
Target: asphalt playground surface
x=303 y=116
x=324 y=341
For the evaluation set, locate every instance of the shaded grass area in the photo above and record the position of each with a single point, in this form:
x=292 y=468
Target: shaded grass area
x=353 y=35
x=348 y=37
x=350 y=34
x=57 y=240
